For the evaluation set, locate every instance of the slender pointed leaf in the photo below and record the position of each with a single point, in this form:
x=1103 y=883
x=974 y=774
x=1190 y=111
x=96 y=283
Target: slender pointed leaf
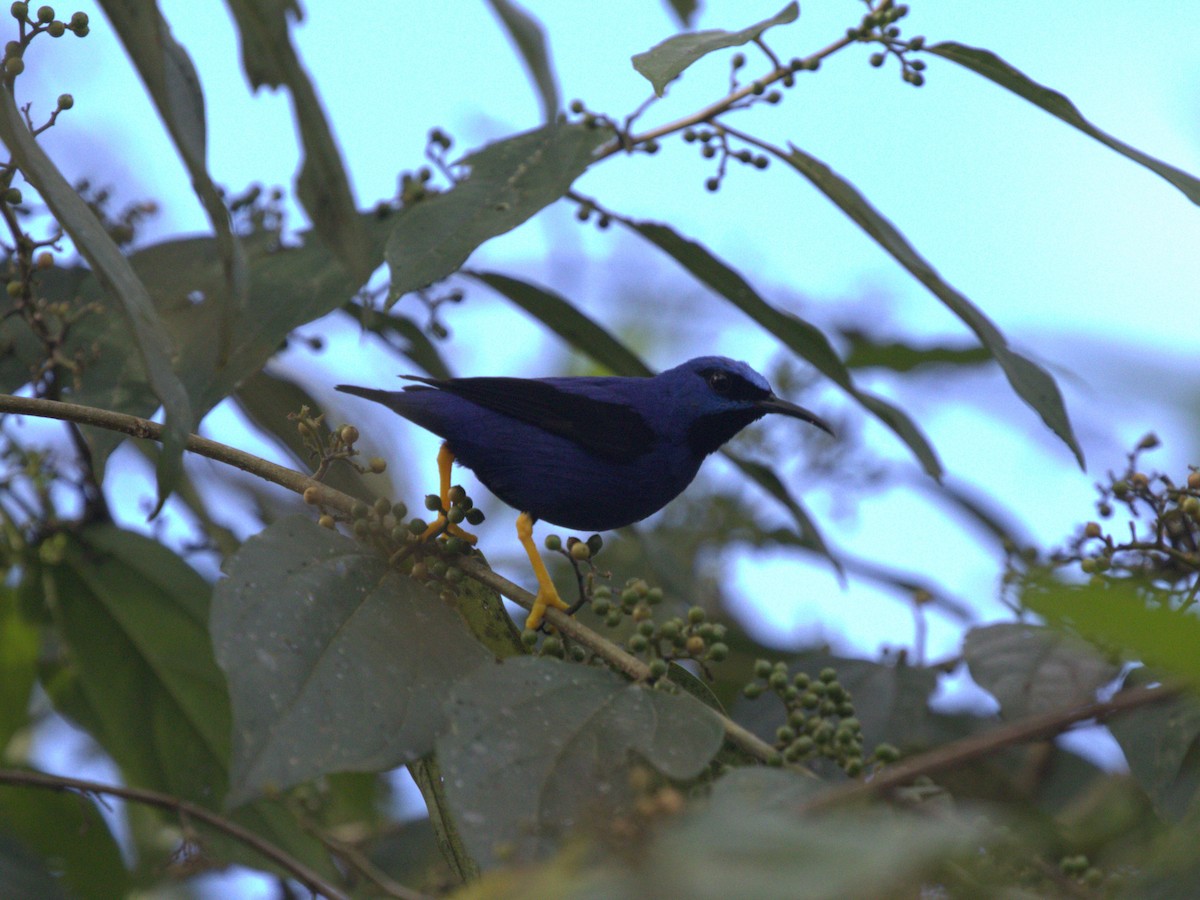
x=539 y=747
x=322 y=185
x=1032 y=383
x=803 y=338
x=403 y=335
x=121 y=284
x=992 y=67
x=564 y=319
x=19 y=647
x=684 y=10
x=529 y=38
x=666 y=61
x=335 y=661
x=865 y=352
x=171 y=79
x=508 y=182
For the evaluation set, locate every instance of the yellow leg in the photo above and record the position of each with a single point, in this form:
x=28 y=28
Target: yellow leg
x=445 y=461
x=547 y=595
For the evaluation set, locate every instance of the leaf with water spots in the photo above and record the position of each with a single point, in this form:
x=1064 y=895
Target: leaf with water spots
x=336 y=662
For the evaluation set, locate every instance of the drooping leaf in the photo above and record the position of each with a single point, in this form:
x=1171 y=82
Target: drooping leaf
x=529 y=38
x=24 y=876
x=568 y=322
x=121 y=285
x=508 y=182
x=865 y=352
x=684 y=10
x=19 y=646
x=69 y=830
x=666 y=61
x=801 y=337
x=1117 y=616
x=335 y=661
x=1032 y=383
x=174 y=86
x=540 y=747
x=1032 y=669
x=749 y=840
x=322 y=185
x=403 y=335
x=992 y=67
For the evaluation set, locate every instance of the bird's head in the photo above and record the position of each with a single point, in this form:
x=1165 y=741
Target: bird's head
x=718 y=397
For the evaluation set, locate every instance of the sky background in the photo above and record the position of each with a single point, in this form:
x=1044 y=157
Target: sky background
x=1085 y=260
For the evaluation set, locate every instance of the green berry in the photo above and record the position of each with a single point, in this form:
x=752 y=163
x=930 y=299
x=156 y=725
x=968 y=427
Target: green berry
x=658 y=668
x=752 y=690
x=45 y=14
x=828 y=675
x=19 y=10
x=553 y=543
x=433 y=502
x=646 y=628
x=456 y=514
x=762 y=668
x=718 y=652
x=359 y=510
x=695 y=615
x=638 y=643
x=595 y=543
x=475 y=516
x=400 y=511
x=361 y=527
x=778 y=680
x=14 y=66
x=580 y=552
x=457 y=494
x=417 y=526
x=529 y=637
x=57 y=29
x=552 y=646
x=613 y=619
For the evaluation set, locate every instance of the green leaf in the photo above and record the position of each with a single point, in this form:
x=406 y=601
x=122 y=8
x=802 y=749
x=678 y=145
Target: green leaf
x=992 y=67
x=67 y=830
x=748 y=841
x=25 y=877
x=1115 y=615
x=801 y=337
x=538 y=746
x=1161 y=743
x=19 y=646
x=508 y=182
x=403 y=335
x=118 y=279
x=866 y=353
x=665 y=62
x=322 y=185
x=1032 y=383
x=175 y=89
x=564 y=319
x=1032 y=669
x=335 y=661
x=684 y=10
x=529 y=38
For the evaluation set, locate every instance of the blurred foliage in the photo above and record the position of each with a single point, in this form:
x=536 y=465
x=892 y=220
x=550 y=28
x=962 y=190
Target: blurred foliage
x=257 y=720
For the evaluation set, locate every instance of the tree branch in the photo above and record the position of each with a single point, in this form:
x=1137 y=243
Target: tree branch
x=298 y=870
x=137 y=427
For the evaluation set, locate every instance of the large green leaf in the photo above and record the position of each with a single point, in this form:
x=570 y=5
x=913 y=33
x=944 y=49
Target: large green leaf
x=19 y=643
x=992 y=67
x=1033 y=669
x=748 y=840
x=120 y=282
x=508 y=182
x=559 y=315
x=666 y=61
x=69 y=832
x=801 y=337
x=322 y=185
x=23 y=876
x=865 y=352
x=539 y=747
x=336 y=662
x=175 y=89
x=1032 y=383
x=529 y=38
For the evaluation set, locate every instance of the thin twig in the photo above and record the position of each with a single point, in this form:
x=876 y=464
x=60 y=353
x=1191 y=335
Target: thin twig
x=298 y=870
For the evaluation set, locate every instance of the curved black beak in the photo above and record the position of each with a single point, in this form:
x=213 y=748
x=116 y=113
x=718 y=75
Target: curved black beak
x=774 y=404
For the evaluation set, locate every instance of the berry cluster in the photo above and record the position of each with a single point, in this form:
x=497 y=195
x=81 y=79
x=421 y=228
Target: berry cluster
x=44 y=20
x=820 y=719
x=879 y=26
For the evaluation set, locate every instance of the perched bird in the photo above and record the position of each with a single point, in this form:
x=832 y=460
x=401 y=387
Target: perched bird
x=585 y=453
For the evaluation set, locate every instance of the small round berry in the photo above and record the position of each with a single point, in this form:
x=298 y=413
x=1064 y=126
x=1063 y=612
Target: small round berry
x=359 y=510
x=19 y=10
x=718 y=652
x=65 y=101
x=752 y=691
x=15 y=289
x=763 y=668
x=529 y=637
x=695 y=645
x=638 y=643
x=474 y=516
x=613 y=619
x=326 y=521
x=1193 y=480
x=595 y=543
x=552 y=646
x=712 y=184
x=361 y=528
x=14 y=66
x=646 y=627
x=433 y=502
x=1091 y=530
x=553 y=543
x=417 y=526
x=400 y=511
x=739 y=60
x=377 y=464
x=456 y=515
x=695 y=615
x=348 y=434
x=602 y=606
x=457 y=494
x=382 y=506
x=45 y=260
x=828 y=675
x=56 y=29
x=580 y=552
x=778 y=680
x=45 y=14
x=311 y=495
x=456 y=546
x=658 y=668
x=877 y=60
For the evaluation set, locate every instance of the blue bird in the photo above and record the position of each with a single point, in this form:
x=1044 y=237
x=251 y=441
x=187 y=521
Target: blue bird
x=585 y=453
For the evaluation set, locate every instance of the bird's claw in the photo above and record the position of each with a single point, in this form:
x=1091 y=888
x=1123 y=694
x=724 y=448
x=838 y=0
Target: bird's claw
x=543 y=601
x=442 y=525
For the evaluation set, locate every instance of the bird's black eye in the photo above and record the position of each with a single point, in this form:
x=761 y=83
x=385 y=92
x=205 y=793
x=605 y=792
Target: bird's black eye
x=719 y=382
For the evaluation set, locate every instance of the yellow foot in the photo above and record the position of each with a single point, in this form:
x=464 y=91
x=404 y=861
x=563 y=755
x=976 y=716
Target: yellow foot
x=546 y=599
x=450 y=529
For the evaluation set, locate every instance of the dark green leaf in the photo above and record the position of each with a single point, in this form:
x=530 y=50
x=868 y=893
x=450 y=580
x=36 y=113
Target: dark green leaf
x=665 y=62
x=322 y=185
x=1031 y=669
x=404 y=336
x=335 y=661
x=992 y=67
x=21 y=351
x=1117 y=616
x=1032 y=383
x=539 y=746
x=865 y=353
x=684 y=10
x=749 y=841
x=508 y=182
x=69 y=831
x=564 y=319
x=25 y=877
x=529 y=38
x=1161 y=743
x=121 y=284
x=175 y=89
x=19 y=645
x=801 y=337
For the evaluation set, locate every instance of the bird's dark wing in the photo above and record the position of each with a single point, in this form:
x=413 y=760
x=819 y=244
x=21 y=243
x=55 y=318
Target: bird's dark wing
x=613 y=431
